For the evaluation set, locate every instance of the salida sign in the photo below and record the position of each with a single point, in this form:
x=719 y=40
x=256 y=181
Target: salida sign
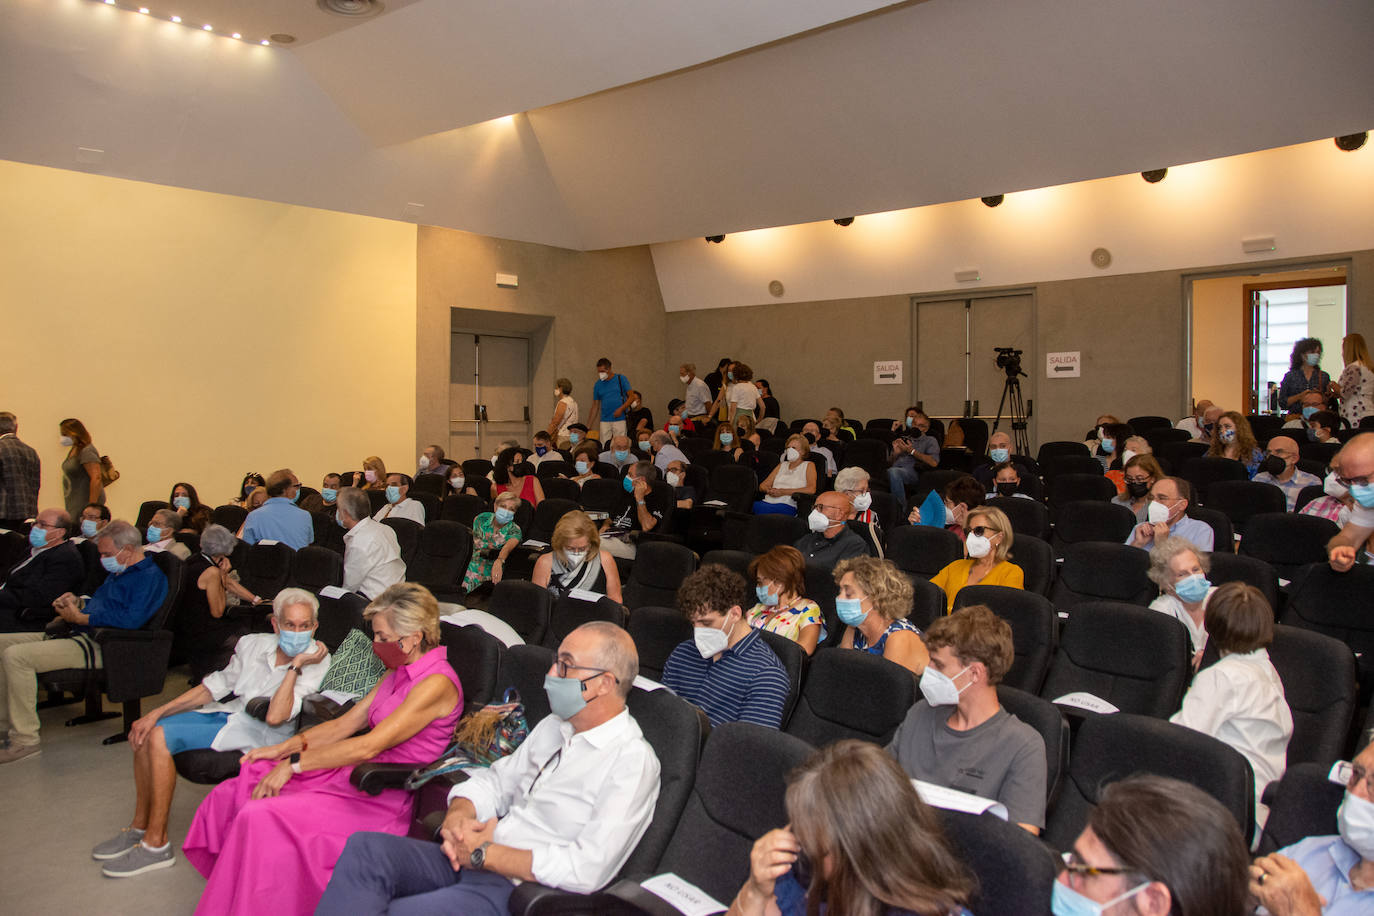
x=1063 y=365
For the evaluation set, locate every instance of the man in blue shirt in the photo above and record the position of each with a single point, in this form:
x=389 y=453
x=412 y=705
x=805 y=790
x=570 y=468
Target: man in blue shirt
x=132 y=593
x=609 y=392
x=1167 y=508
x=280 y=519
x=912 y=455
x=725 y=668
x=1326 y=875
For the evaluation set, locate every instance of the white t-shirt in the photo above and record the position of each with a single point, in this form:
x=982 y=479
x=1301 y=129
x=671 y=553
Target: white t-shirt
x=743 y=395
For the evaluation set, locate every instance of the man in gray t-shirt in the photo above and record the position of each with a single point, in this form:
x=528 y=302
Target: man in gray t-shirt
x=959 y=736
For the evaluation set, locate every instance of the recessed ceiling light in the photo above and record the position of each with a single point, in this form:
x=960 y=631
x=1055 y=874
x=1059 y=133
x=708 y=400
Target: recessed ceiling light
x=264 y=42
x=109 y=2
x=143 y=10
x=208 y=27
x=237 y=35
x=176 y=18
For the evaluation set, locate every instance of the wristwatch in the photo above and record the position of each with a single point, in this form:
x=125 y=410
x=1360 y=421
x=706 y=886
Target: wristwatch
x=479 y=856
x=295 y=760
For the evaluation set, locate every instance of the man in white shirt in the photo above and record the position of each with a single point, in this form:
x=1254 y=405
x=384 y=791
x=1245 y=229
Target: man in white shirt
x=286 y=665
x=1192 y=425
x=565 y=809
x=665 y=452
x=372 y=555
x=398 y=501
x=544 y=450
x=161 y=535
x=698 y=395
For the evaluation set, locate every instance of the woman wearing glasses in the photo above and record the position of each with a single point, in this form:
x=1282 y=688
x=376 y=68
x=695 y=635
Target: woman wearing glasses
x=275 y=831
x=1155 y=846
x=859 y=840
x=987 y=540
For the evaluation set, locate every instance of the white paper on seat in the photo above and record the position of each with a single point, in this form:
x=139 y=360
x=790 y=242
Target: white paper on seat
x=268 y=541
x=533 y=543
x=715 y=503
x=581 y=594
x=689 y=899
x=1086 y=701
x=1284 y=583
x=339 y=696
x=644 y=683
x=333 y=591
x=954 y=800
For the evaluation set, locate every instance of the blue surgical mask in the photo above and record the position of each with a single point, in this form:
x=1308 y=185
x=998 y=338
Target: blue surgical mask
x=909 y=421
x=565 y=696
x=89 y=527
x=574 y=437
x=1308 y=411
x=1065 y=901
x=998 y=455
x=1107 y=446
x=1363 y=494
x=393 y=494
x=181 y=502
x=296 y=497
x=1312 y=358
x=112 y=565
x=851 y=611
x=1192 y=589
x=674 y=429
x=766 y=598
x=730 y=376
x=38 y=537
x=622 y=454
x=582 y=467
x=154 y=534
x=293 y=643
x=503 y=516
x=628 y=483
x=727 y=438
x=330 y=494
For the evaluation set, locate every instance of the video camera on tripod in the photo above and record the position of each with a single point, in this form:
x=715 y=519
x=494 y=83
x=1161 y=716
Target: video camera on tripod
x=1009 y=361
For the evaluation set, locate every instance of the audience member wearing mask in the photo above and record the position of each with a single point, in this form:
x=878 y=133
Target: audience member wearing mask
x=1193 y=423
x=1111 y=440
x=1141 y=473
x=520 y=478
x=577 y=560
x=961 y=737
x=543 y=449
x=577 y=435
x=715 y=380
x=374 y=474
x=645 y=505
x=1167 y=514
x=1007 y=482
x=565 y=414
x=1329 y=875
x=874 y=599
x=908 y=422
x=52 y=568
x=1000 y=452
x=1357 y=381
x=494 y=537
x=279 y=518
x=747 y=433
x=684 y=494
x=779 y=578
x=1280 y=468
x=1208 y=426
x=193 y=514
x=639 y=419
x=1322 y=426
x=772 y=410
x=372 y=555
x=327 y=500
x=161 y=535
x=726 y=668
x=458 y=482
x=285 y=666
x=619 y=454
x=82 y=482
x=1357 y=476
x=812 y=431
x=431 y=461
x=727 y=440
x=398 y=501
x=664 y=451
x=794 y=474
x=697 y=395
x=1240 y=700
x=93 y=518
x=1336 y=502
x=1096 y=434
x=584 y=463
x=610 y=400
x=1309 y=403
x=949 y=509
x=854 y=483
x=1305 y=374
x=1180 y=570
x=1129 y=448
x=830 y=540
x=987 y=543
x=1155 y=846
x=1233 y=439
x=203 y=628
x=251 y=481
x=677 y=425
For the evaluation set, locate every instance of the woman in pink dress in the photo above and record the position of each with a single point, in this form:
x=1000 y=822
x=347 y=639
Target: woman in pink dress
x=274 y=832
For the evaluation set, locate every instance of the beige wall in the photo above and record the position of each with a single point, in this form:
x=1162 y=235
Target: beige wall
x=200 y=336
x=598 y=303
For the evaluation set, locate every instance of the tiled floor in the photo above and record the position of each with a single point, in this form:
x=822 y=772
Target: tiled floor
x=55 y=806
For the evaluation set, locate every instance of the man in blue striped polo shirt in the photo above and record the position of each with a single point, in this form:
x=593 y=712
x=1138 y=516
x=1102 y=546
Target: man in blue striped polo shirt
x=725 y=668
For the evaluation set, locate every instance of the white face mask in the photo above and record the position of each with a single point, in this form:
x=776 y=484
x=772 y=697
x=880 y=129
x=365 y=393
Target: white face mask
x=818 y=521
x=1333 y=487
x=575 y=557
x=456 y=482
x=710 y=640
x=1355 y=819
x=938 y=688
x=978 y=546
x=674 y=479
x=684 y=379
x=863 y=501
x=424 y=462
x=1157 y=513
x=790 y=454
x=66 y=441
x=603 y=375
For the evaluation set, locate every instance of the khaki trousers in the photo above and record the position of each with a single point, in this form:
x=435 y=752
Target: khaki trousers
x=23 y=656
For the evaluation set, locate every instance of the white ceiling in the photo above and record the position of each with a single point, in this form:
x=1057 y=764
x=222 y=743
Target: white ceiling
x=648 y=120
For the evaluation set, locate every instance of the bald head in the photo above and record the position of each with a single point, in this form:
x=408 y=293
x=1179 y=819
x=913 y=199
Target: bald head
x=999 y=440
x=1357 y=457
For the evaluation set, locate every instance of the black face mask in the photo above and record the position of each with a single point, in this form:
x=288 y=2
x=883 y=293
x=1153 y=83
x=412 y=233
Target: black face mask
x=1007 y=489
x=810 y=438
x=1273 y=465
x=1137 y=489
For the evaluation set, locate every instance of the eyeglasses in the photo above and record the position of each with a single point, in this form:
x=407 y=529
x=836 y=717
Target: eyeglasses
x=1137 y=479
x=1351 y=775
x=1348 y=482
x=1077 y=867
x=562 y=666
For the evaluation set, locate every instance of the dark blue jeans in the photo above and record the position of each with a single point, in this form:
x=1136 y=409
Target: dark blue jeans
x=381 y=873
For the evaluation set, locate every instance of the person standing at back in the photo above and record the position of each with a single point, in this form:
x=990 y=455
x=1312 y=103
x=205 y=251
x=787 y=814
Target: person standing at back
x=609 y=399
x=81 y=480
x=19 y=475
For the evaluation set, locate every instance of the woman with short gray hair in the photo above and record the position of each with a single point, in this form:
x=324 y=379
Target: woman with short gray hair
x=205 y=630
x=1180 y=570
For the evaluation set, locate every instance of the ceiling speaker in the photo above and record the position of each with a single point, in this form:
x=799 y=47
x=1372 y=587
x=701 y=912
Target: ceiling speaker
x=1102 y=258
x=776 y=288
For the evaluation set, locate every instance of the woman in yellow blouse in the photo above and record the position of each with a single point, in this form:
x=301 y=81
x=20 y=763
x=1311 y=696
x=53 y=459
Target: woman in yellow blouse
x=987 y=541
x=780 y=577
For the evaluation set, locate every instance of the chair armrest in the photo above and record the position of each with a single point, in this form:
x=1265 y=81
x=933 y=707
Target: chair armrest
x=107 y=635
x=531 y=898
x=257 y=707
x=372 y=778
x=626 y=896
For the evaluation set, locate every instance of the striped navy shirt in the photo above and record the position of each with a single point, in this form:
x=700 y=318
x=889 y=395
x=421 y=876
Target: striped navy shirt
x=747 y=684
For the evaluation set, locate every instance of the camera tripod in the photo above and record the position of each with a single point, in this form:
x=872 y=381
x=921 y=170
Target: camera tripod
x=1016 y=412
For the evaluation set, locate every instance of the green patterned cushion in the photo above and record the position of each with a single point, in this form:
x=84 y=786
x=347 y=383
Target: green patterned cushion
x=355 y=668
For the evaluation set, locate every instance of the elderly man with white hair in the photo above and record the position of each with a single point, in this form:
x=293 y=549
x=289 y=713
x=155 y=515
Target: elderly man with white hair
x=284 y=667
x=161 y=534
x=665 y=451
x=854 y=483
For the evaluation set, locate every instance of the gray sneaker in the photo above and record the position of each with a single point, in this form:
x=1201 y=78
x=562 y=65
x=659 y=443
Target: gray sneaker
x=118 y=844
x=138 y=860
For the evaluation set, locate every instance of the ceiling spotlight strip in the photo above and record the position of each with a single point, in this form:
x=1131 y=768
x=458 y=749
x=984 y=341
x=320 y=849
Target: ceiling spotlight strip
x=173 y=18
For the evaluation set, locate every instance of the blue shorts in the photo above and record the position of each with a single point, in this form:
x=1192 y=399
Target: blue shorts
x=190 y=730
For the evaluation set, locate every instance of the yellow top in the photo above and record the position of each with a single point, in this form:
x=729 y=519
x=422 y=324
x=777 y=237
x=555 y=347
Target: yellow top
x=955 y=576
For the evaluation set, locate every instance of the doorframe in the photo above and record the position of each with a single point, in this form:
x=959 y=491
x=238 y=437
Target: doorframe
x=1247 y=356
x=1029 y=360
x=529 y=375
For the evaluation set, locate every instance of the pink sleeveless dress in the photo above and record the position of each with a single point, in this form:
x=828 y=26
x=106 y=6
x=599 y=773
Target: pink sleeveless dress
x=283 y=849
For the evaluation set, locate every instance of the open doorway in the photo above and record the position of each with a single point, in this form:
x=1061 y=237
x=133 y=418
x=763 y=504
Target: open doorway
x=1244 y=328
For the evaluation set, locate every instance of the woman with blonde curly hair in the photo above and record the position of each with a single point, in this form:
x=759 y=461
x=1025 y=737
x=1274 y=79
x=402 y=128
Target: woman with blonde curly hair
x=874 y=599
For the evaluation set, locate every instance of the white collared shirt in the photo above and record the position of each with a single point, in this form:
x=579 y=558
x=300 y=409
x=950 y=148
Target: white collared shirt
x=1169 y=604
x=254 y=672
x=593 y=796
x=372 y=558
x=407 y=508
